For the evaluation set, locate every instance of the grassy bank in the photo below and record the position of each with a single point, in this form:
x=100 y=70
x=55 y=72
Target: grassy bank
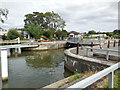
x=103 y=83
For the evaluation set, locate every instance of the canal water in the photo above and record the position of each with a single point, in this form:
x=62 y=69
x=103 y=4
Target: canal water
x=35 y=69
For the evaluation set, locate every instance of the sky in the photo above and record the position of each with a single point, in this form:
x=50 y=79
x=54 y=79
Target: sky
x=79 y=15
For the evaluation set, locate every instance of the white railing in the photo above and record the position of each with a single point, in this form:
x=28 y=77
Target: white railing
x=107 y=51
x=90 y=80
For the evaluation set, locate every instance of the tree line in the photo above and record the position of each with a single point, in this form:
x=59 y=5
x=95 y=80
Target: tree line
x=115 y=33
x=48 y=25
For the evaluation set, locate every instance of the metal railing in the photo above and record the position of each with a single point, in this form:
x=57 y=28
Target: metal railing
x=90 y=80
x=107 y=51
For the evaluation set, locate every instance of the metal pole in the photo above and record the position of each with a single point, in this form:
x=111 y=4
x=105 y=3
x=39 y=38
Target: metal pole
x=107 y=55
x=77 y=51
x=111 y=80
x=74 y=37
x=108 y=44
x=87 y=51
x=91 y=46
x=114 y=43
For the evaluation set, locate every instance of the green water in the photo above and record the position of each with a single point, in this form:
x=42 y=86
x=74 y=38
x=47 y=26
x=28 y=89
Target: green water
x=35 y=69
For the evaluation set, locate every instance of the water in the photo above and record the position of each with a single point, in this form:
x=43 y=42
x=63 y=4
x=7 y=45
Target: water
x=35 y=69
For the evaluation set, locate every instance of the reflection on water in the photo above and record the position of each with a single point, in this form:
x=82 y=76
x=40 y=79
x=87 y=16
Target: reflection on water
x=35 y=69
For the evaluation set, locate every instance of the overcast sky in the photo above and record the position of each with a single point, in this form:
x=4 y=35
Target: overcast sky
x=80 y=15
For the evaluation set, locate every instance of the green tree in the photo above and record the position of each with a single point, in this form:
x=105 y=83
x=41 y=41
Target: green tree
x=3 y=14
x=92 y=32
x=4 y=37
x=46 y=21
x=35 y=30
x=12 y=34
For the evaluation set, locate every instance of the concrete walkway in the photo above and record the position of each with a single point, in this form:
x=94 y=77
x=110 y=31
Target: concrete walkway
x=82 y=52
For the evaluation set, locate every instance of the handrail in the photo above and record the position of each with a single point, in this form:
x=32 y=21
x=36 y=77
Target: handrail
x=107 y=51
x=17 y=46
x=110 y=50
x=90 y=80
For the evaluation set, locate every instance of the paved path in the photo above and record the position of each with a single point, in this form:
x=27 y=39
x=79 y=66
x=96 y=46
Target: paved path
x=82 y=52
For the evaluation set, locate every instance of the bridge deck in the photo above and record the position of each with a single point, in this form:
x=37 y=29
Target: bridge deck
x=18 y=45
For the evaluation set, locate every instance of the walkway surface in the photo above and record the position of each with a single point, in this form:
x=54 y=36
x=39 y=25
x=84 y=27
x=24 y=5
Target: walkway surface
x=82 y=52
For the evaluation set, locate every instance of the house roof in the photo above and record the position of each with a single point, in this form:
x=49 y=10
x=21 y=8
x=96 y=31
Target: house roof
x=74 y=32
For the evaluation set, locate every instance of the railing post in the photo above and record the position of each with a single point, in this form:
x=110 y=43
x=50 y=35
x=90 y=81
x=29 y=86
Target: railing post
x=108 y=44
x=77 y=51
x=114 y=43
x=87 y=51
x=111 y=79
x=107 y=55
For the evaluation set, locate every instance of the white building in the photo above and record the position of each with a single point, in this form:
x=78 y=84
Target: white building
x=98 y=35
x=25 y=34
x=3 y=32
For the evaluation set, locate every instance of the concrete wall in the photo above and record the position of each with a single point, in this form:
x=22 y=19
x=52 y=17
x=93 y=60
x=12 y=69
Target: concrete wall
x=76 y=63
x=53 y=45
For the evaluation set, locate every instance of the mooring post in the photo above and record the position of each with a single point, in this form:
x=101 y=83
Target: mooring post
x=108 y=44
x=4 y=64
x=119 y=43
x=111 y=80
x=91 y=46
x=77 y=51
x=114 y=43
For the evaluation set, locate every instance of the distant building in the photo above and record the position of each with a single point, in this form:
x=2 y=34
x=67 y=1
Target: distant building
x=98 y=35
x=3 y=32
x=26 y=35
x=73 y=34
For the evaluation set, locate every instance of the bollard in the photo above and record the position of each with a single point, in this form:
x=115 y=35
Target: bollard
x=91 y=46
x=119 y=43
x=4 y=64
x=77 y=51
x=108 y=44
x=114 y=43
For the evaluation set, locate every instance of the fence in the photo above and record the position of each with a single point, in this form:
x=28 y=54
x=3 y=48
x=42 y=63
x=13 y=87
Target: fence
x=90 y=80
x=107 y=51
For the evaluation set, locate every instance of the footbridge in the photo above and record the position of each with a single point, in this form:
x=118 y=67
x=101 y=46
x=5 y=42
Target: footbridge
x=4 y=50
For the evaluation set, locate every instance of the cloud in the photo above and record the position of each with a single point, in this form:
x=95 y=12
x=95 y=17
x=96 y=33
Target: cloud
x=79 y=15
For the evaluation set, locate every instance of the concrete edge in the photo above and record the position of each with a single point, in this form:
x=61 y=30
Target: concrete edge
x=78 y=57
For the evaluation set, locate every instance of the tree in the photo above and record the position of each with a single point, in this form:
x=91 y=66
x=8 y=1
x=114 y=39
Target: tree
x=12 y=34
x=3 y=14
x=46 y=21
x=35 y=30
x=91 y=32
x=61 y=34
x=4 y=37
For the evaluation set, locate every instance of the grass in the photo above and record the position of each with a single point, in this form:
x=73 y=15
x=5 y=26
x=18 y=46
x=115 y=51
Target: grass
x=116 y=80
x=104 y=83
x=73 y=78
